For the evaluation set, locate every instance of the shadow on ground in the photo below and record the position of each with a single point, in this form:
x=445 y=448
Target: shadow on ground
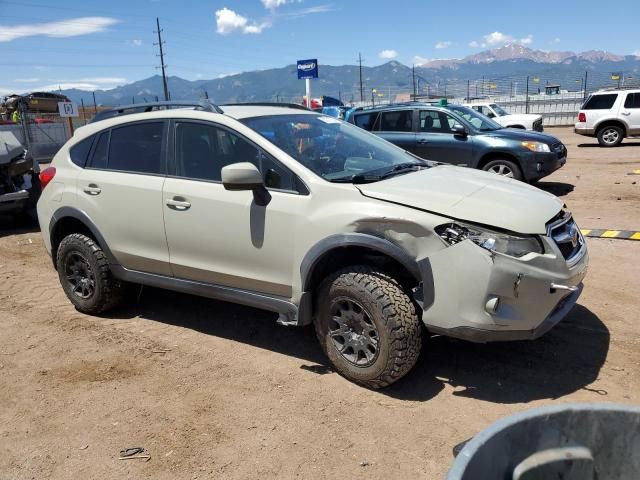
x=597 y=145
x=565 y=360
x=559 y=189
x=17 y=225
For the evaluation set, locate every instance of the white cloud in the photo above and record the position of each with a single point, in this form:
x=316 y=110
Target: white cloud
x=271 y=4
x=418 y=60
x=104 y=79
x=528 y=40
x=388 y=54
x=72 y=27
x=496 y=39
x=555 y=40
x=136 y=42
x=27 y=80
x=223 y=75
x=444 y=44
x=308 y=11
x=228 y=21
x=636 y=53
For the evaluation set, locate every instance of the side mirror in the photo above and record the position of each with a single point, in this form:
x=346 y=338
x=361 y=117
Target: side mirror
x=245 y=176
x=241 y=176
x=460 y=130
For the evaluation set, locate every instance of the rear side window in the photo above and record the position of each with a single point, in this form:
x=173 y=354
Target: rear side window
x=397 y=121
x=80 y=151
x=366 y=120
x=99 y=157
x=632 y=101
x=600 y=102
x=136 y=148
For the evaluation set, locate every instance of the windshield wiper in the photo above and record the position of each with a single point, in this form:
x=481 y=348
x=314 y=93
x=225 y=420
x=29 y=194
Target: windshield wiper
x=397 y=169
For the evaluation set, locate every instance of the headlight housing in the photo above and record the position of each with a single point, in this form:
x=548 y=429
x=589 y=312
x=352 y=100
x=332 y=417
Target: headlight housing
x=537 y=147
x=506 y=243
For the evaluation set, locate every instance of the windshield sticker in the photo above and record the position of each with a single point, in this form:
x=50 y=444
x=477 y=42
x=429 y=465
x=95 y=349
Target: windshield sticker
x=328 y=120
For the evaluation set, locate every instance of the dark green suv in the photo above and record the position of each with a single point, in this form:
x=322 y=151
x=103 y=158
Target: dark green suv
x=461 y=136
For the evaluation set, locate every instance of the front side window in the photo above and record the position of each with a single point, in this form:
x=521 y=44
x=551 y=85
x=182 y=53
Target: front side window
x=396 y=121
x=501 y=112
x=332 y=149
x=203 y=150
x=436 y=122
x=136 y=148
x=632 y=100
x=600 y=102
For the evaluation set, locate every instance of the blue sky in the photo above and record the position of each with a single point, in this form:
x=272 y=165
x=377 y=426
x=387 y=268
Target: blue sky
x=91 y=44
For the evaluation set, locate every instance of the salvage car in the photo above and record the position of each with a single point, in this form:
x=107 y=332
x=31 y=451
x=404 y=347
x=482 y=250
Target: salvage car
x=19 y=181
x=461 y=136
x=305 y=215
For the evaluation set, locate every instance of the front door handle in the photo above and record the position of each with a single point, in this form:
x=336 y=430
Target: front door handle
x=92 y=189
x=422 y=141
x=178 y=203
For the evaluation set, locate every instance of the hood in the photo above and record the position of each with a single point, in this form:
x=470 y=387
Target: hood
x=471 y=195
x=522 y=135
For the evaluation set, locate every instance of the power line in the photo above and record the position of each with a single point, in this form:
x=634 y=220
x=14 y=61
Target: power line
x=162 y=64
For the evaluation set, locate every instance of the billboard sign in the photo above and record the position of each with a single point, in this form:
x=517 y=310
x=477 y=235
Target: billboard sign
x=307 y=68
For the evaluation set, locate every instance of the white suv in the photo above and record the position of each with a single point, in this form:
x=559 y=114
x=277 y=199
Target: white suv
x=312 y=218
x=525 y=121
x=611 y=116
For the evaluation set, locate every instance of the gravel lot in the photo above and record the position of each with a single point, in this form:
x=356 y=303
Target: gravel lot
x=214 y=390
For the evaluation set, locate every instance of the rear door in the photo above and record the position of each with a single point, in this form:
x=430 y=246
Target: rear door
x=396 y=126
x=121 y=191
x=631 y=112
x=437 y=141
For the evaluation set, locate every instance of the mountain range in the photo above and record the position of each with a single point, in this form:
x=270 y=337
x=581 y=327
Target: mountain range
x=501 y=67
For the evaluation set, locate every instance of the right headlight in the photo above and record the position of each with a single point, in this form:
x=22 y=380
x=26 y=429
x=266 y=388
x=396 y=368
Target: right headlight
x=506 y=243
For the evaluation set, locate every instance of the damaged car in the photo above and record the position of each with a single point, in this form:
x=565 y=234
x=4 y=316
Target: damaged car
x=313 y=218
x=19 y=181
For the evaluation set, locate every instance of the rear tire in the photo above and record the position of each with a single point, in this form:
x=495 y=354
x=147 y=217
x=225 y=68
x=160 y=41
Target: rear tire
x=506 y=168
x=610 y=136
x=83 y=270
x=367 y=326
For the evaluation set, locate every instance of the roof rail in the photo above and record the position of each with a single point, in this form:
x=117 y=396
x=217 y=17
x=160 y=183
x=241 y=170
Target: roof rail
x=203 y=105
x=267 y=104
x=623 y=87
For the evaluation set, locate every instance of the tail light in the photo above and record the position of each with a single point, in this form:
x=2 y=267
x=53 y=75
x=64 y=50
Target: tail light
x=46 y=176
x=582 y=118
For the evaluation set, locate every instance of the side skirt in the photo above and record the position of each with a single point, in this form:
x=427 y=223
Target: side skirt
x=287 y=310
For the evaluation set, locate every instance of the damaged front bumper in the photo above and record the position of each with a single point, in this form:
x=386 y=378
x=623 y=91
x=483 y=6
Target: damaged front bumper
x=471 y=293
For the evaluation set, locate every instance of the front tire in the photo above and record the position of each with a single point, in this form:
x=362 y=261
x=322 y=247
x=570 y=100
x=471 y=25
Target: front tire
x=83 y=270
x=506 y=168
x=610 y=136
x=367 y=326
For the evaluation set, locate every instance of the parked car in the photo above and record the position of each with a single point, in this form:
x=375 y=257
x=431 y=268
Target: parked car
x=19 y=182
x=461 y=136
x=308 y=216
x=611 y=116
x=525 y=121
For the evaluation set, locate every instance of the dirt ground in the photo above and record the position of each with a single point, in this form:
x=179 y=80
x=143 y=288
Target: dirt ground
x=214 y=390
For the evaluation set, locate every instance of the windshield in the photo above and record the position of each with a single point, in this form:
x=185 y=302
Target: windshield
x=499 y=110
x=333 y=149
x=477 y=120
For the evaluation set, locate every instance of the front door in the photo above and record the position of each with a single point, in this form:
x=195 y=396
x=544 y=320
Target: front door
x=436 y=140
x=223 y=237
x=121 y=191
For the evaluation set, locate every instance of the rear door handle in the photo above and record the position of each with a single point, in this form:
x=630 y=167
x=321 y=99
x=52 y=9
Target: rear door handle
x=422 y=141
x=626 y=114
x=92 y=189
x=178 y=203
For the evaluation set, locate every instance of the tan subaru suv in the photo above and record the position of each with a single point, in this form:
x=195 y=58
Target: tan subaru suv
x=284 y=209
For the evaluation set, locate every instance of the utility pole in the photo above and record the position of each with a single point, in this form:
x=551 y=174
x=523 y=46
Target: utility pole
x=586 y=74
x=361 y=86
x=468 y=86
x=527 y=98
x=95 y=106
x=413 y=76
x=162 y=64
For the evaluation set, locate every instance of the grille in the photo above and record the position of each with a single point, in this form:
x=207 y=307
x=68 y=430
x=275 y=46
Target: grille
x=566 y=234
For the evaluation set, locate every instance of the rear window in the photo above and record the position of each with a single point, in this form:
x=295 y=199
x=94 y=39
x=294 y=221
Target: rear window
x=80 y=151
x=632 y=101
x=600 y=102
x=397 y=121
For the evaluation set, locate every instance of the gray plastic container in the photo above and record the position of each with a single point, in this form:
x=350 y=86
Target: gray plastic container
x=569 y=442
